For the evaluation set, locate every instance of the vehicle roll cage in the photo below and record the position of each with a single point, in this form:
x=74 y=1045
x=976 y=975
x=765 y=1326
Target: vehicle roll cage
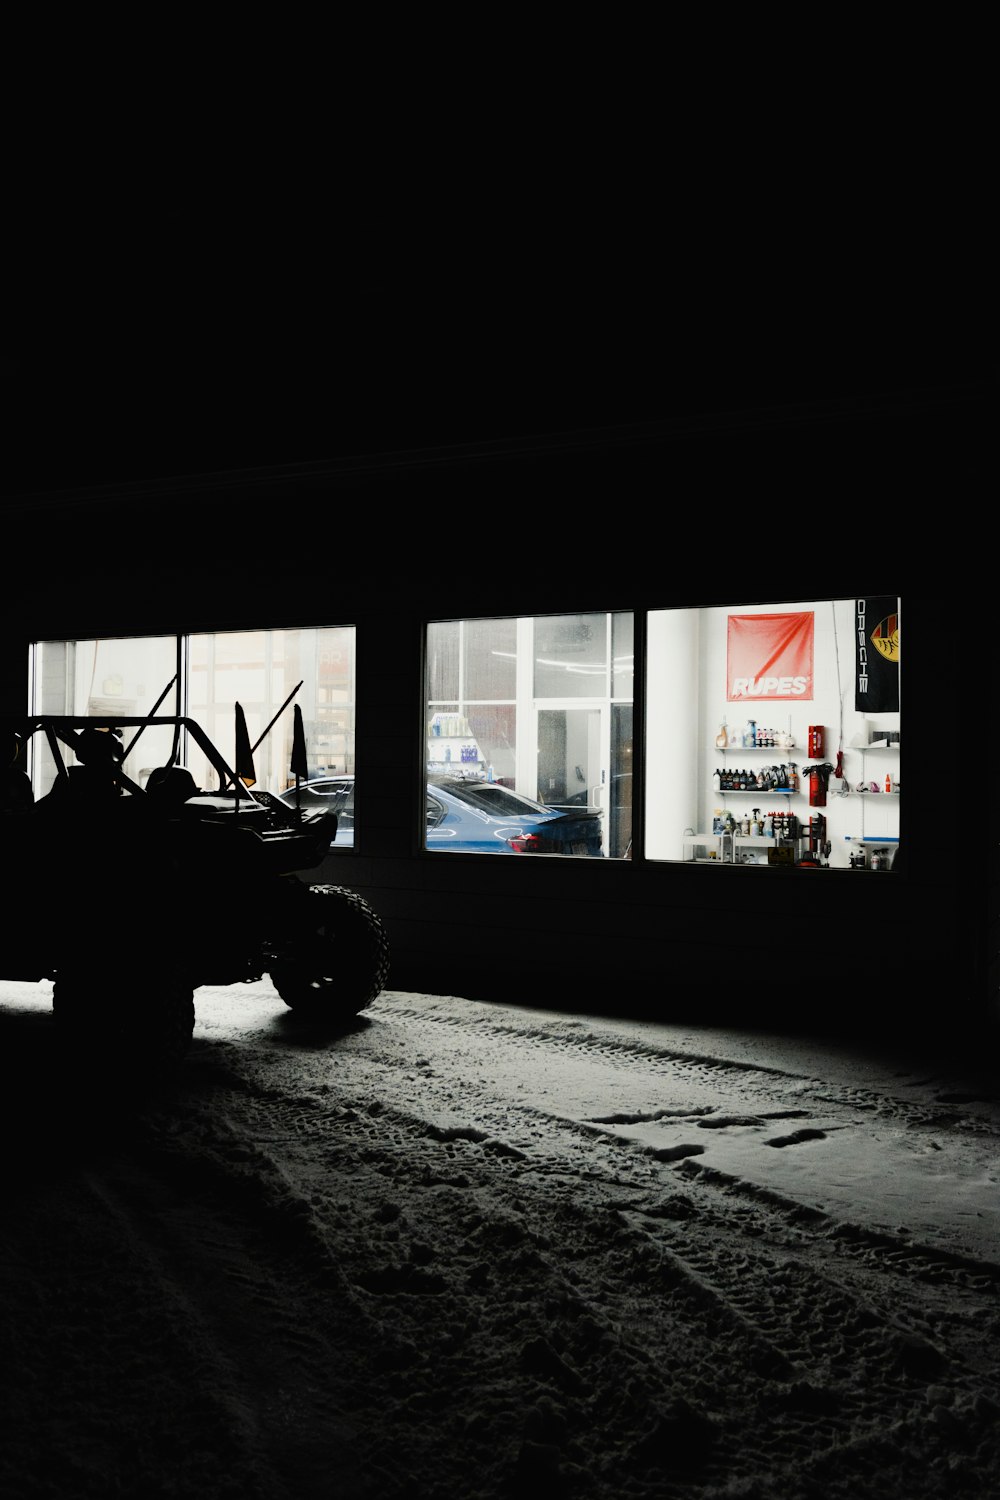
x=66 y=730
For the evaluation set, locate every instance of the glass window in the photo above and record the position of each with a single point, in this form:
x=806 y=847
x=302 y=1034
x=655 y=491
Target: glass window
x=622 y=657
x=203 y=677
x=261 y=670
x=125 y=677
x=529 y=724
x=489 y=659
x=443 y=647
x=571 y=655
x=773 y=734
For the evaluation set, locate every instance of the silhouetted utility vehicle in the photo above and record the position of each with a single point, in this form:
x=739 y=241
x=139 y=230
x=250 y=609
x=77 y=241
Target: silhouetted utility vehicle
x=130 y=897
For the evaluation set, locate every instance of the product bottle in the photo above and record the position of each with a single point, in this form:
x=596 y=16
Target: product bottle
x=888 y=782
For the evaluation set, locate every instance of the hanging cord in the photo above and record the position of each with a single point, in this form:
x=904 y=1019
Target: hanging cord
x=838 y=771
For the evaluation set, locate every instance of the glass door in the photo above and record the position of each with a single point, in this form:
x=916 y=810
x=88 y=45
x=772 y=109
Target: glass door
x=573 y=759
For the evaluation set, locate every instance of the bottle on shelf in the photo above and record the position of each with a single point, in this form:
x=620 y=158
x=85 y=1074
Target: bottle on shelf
x=888 y=782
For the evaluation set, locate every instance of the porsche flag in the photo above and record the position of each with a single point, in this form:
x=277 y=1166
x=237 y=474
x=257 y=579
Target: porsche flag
x=244 y=754
x=769 y=656
x=876 y=636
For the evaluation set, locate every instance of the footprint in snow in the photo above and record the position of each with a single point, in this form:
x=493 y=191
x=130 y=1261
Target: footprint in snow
x=797 y=1136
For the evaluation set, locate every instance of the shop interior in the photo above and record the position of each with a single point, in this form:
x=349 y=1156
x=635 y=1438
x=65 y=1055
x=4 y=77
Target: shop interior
x=775 y=767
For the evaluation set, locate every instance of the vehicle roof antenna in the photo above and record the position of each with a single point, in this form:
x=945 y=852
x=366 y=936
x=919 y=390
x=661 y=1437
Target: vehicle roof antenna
x=277 y=716
x=150 y=715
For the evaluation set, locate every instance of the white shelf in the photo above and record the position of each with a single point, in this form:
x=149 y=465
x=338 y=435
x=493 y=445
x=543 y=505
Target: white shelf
x=760 y=840
x=732 y=749
x=761 y=791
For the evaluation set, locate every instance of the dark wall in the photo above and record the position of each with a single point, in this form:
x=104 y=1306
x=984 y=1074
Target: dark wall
x=799 y=502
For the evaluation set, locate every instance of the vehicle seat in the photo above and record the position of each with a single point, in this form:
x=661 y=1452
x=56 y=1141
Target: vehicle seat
x=169 y=786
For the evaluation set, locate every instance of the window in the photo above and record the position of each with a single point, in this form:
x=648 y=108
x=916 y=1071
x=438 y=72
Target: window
x=529 y=725
x=773 y=734
x=126 y=677
x=260 y=669
x=203 y=677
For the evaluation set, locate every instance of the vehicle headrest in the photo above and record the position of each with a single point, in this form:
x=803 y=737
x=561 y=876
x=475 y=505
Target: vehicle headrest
x=170 y=784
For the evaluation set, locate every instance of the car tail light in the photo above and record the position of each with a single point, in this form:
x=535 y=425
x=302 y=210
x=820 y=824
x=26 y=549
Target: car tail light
x=525 y=843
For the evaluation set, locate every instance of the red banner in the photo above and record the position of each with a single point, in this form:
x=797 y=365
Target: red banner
x=770 y=656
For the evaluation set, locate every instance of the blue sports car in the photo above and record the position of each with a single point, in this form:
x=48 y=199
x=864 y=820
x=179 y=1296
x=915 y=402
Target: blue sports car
x=469 y=816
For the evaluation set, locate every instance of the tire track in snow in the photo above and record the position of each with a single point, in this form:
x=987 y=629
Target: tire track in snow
x=685 y=1273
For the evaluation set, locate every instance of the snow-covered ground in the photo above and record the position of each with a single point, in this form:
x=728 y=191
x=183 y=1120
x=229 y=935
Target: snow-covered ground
x=463 y=1250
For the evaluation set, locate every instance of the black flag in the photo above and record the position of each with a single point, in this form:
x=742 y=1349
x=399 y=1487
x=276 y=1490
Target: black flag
x=300 y=764
x=244 y=755
x=876 y=651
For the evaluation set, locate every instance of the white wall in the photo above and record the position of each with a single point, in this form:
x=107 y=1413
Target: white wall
x=674 y=735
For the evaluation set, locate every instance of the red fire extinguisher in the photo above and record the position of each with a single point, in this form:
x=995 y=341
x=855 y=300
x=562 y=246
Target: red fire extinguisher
x=815 y=741
x=819 y=780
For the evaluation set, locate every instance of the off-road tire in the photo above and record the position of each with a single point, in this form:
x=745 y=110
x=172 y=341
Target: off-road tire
x=336 y=954
x=145 y=1030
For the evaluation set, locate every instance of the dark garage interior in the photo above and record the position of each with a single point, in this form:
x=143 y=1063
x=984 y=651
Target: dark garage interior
x=512 y=1227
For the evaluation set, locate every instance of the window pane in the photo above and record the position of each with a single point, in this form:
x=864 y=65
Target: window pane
x=259 y=669
x=571 y=656
x=620 y=833
x=750 y=713
x=442 y=661
x=622 y=657
x=122 y=677
x=489 y=659
x=494 y=731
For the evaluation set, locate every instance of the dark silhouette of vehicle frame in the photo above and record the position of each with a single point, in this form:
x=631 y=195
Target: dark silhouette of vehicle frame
x=130 y=897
